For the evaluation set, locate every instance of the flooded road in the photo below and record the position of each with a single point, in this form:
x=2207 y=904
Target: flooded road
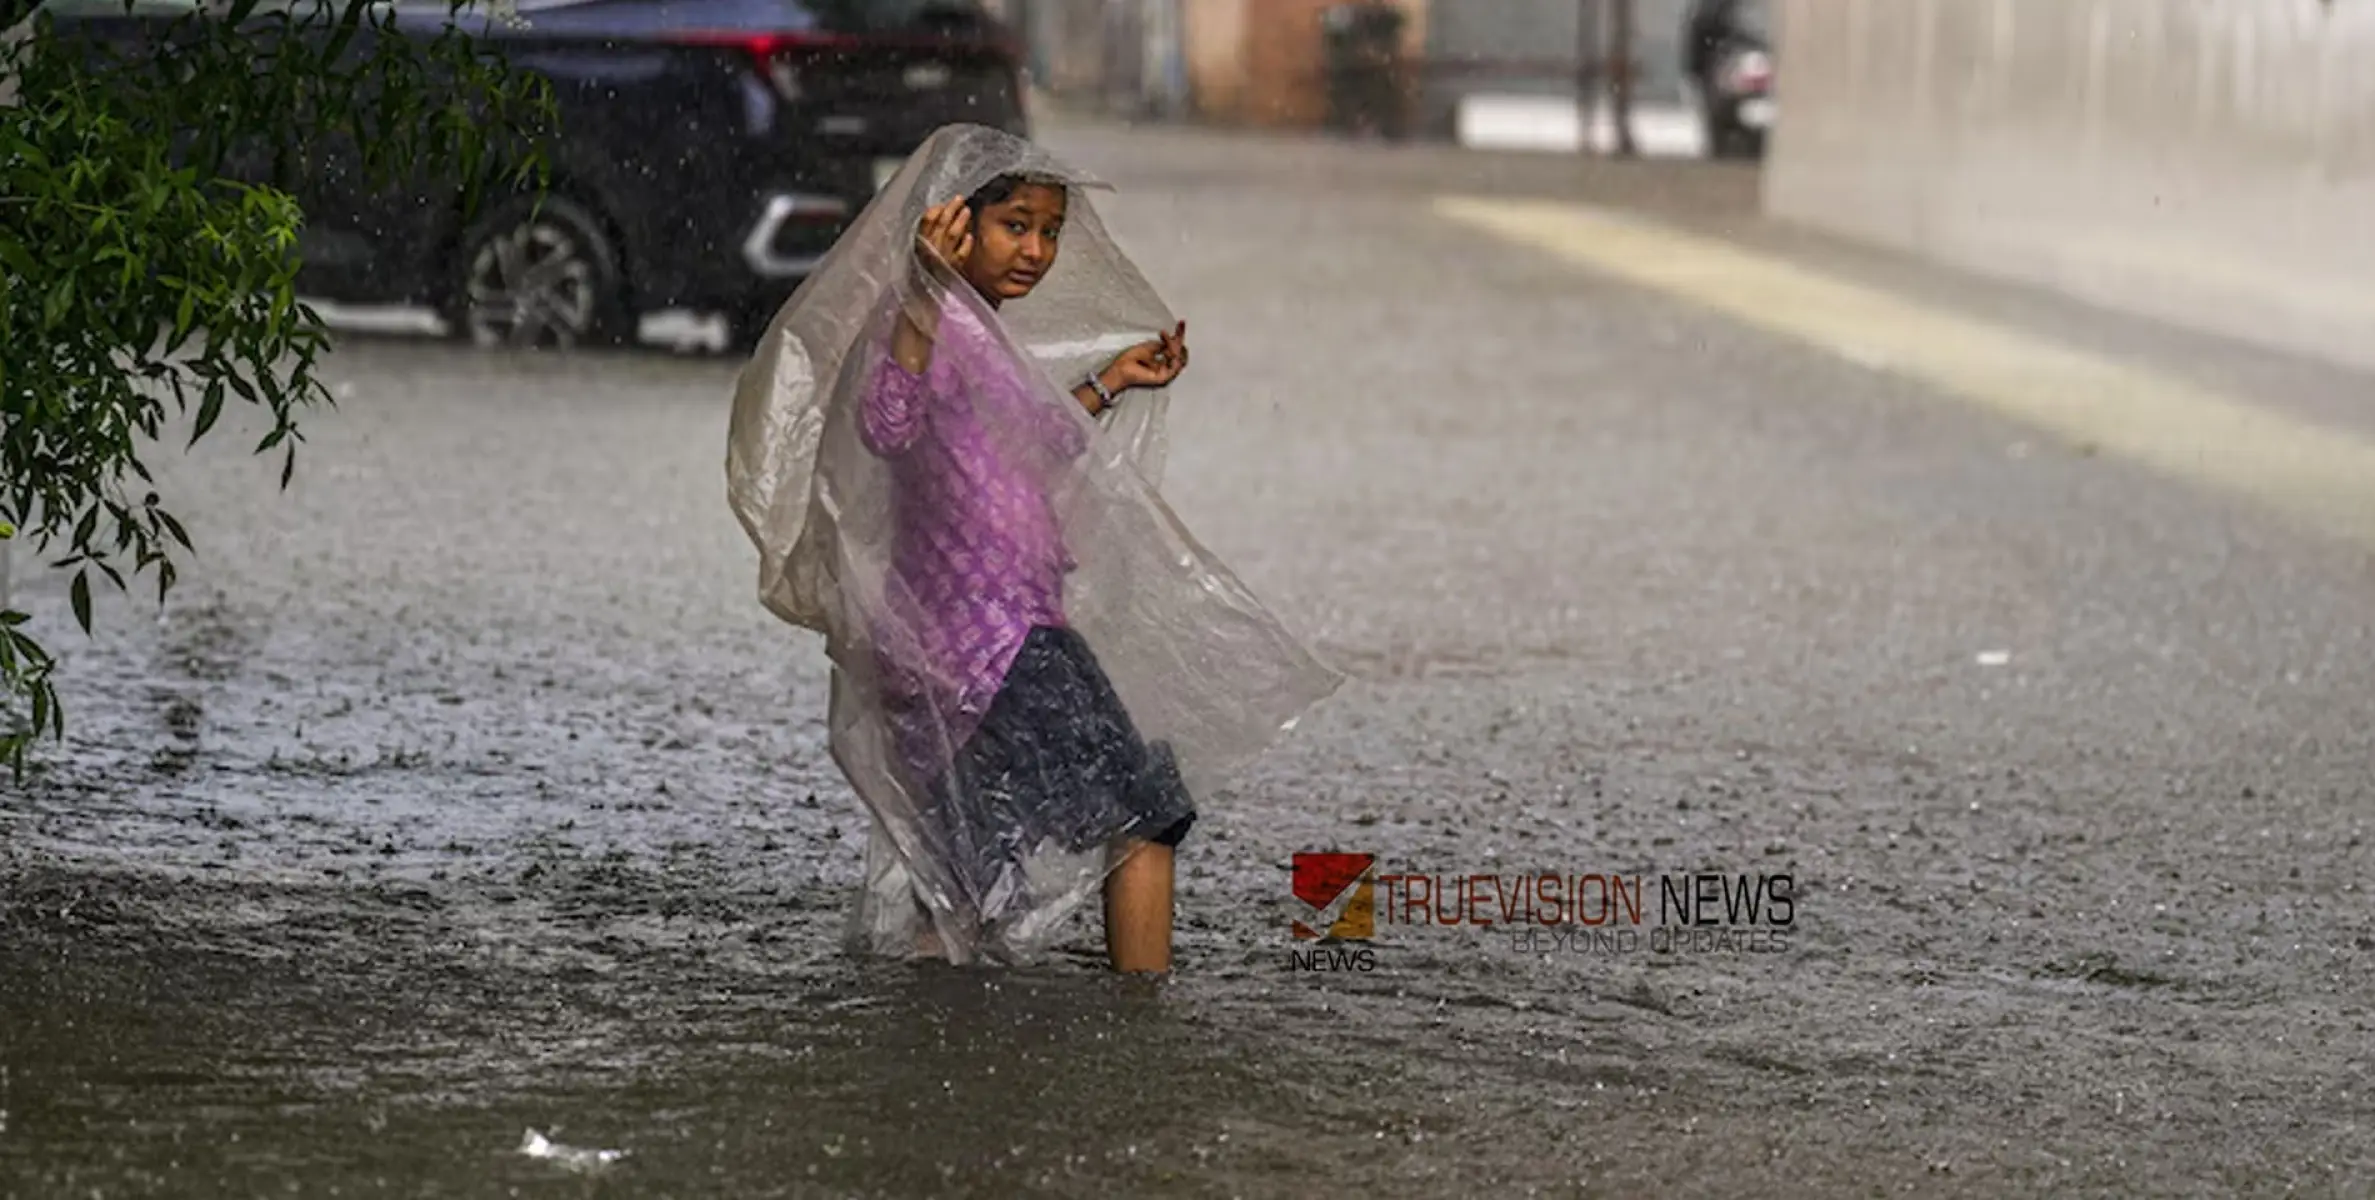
x=464 y=789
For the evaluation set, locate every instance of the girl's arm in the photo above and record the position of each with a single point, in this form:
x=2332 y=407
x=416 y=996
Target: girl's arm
x=945 y=234
x=911 y=344
x=895 y=400
x=1088 y=397
x=1147 y=364
x=897 y=395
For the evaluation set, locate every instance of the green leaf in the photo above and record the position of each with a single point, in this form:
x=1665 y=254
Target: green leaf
x=210 y=410
x=61 y=300
x=82 y=600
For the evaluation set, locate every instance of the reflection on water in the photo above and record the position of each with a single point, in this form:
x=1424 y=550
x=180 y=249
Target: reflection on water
x=190 y=1040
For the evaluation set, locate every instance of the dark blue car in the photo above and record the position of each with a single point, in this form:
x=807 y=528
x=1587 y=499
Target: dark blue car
x=709 y=152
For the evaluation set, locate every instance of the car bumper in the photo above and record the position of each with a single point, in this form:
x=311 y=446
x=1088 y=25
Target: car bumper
x=795 y=230
x=732 y=254
x=793 y=233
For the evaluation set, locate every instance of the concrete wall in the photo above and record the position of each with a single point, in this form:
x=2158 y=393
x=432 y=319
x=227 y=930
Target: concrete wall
x=2206 y=162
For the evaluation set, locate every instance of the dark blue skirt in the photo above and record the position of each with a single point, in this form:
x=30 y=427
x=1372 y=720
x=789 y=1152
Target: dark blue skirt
x=1056 y=758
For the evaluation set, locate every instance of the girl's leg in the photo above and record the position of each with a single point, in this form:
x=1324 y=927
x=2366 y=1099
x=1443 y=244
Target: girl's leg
x=927 y=938
x=1138 y=909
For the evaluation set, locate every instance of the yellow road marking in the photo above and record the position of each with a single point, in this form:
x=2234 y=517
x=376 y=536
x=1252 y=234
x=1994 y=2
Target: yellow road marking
x=2319 y=475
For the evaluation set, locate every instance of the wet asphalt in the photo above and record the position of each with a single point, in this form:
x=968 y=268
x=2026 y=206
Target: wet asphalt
x=464 y=788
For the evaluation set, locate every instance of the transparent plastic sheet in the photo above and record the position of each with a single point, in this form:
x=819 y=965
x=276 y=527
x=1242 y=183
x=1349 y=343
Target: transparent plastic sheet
x=824 y=477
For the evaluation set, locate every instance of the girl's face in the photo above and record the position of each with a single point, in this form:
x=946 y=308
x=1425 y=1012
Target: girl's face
x=1014 y=242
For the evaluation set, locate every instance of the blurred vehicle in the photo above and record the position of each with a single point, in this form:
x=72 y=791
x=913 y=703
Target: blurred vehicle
x=709 y=153
x=1364 y=67
x=1728 y=55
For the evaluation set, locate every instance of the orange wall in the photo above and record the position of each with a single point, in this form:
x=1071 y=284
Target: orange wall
x=1262 y=62
x=1212 y=37
x=1283 y=64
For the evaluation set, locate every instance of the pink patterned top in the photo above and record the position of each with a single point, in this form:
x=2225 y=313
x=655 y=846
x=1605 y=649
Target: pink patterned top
x=978 y=558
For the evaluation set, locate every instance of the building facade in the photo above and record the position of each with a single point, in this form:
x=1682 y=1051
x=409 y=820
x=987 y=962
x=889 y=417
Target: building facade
x=2205 y=162
x=1263 y=63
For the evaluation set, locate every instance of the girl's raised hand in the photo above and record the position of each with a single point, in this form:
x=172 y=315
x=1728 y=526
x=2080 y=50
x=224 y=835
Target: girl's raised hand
x=947 y=230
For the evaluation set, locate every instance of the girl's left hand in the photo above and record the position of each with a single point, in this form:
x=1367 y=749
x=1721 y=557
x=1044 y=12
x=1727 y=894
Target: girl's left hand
x=1150 y=364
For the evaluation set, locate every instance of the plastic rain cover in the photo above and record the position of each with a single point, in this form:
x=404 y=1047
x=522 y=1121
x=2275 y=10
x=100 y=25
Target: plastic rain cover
x=1202 y=668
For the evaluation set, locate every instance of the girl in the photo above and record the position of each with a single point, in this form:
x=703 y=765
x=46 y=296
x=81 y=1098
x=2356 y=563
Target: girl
x=1045 y=744
x=945 y=452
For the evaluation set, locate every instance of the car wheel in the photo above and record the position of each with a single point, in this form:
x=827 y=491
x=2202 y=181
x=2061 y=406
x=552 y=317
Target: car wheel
x=539 y=275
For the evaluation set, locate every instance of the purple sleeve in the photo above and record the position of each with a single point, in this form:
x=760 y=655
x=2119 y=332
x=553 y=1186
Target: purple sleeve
x=894 y=412
x=1070 y=437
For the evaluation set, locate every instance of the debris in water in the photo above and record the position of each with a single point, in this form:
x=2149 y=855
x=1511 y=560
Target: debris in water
x=536 y=1145
x=1994 y=658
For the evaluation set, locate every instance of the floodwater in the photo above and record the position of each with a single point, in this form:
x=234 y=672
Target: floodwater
x=464 y=790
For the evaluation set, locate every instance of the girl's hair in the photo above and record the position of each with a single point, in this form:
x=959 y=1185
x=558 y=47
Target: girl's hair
x=1001 y=190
